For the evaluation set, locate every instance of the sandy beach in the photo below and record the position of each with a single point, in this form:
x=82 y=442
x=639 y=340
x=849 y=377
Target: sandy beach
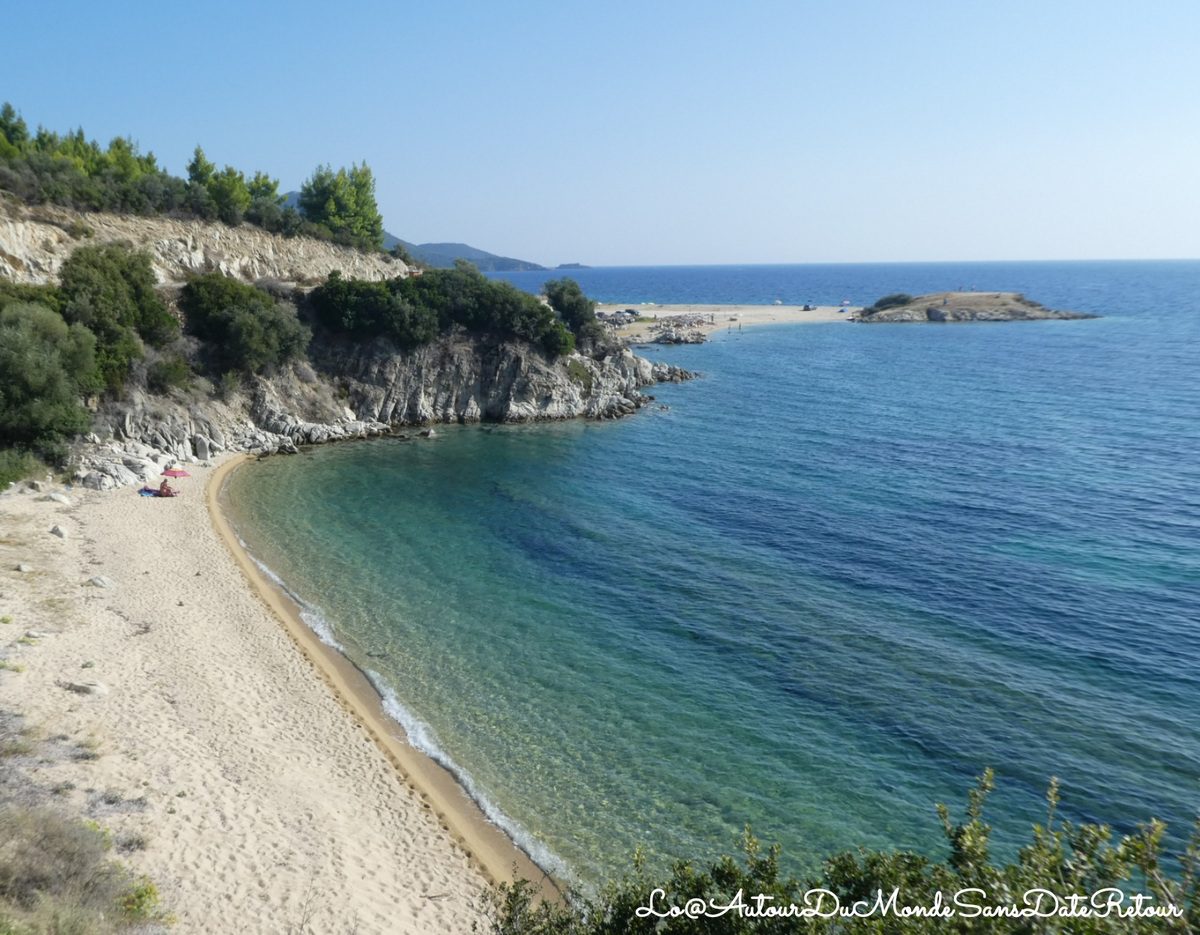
x=264 y=792
x=710 y=318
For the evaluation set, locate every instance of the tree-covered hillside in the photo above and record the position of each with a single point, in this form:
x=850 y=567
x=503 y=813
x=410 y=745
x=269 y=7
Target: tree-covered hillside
x=105 y=328
x=43 y=166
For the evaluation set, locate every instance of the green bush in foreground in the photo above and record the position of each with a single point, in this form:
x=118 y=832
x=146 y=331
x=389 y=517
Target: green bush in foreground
x=1061 y=859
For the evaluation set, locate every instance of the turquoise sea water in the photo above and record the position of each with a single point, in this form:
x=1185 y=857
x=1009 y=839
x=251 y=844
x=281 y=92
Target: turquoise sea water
x=845 y=571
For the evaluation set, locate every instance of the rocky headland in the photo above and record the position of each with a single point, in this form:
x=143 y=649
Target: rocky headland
x=354 y=392
x=348 y=390
x=959 y=307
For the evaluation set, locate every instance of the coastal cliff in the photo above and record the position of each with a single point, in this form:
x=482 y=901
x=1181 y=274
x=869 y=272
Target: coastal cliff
x=361 y=392
x=460 y=379
x=343 y=389
x=35 y=241
x=960 y=307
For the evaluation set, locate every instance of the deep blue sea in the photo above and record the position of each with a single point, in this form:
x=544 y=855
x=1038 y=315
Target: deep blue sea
x=815 y=592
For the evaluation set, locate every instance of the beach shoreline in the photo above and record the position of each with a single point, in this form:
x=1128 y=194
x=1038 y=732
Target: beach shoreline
x=497 y=856
x=168 y=705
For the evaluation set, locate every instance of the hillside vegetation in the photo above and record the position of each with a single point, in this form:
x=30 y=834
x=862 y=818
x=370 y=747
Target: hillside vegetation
x=68 y=347
x=411 y=311
x=105 y=327
x=43 y=166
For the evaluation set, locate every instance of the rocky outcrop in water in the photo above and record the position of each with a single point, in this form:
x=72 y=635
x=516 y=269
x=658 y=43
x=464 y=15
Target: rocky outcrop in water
x=679 y=336
x=965 y=306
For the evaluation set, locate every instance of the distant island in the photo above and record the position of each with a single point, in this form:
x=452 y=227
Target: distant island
x=572 y=266
x=432 y=255
x=959 y=307
x=443 y=256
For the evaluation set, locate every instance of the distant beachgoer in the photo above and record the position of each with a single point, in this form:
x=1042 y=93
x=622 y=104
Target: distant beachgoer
x=165 y=490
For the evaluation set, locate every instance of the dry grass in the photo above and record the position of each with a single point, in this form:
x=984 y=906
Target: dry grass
x=57 y=875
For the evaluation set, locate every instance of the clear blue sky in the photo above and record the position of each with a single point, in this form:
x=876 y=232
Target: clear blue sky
x=668 y=132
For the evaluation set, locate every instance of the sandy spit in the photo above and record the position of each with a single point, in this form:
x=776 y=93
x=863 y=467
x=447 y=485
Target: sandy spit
x=264 y=800
x=712 y=318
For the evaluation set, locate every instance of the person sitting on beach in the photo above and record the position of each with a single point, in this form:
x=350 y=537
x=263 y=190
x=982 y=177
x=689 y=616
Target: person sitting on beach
x=165 y=489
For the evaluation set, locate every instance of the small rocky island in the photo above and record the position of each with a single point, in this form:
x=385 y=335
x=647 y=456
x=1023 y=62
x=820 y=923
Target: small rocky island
x=960 y=306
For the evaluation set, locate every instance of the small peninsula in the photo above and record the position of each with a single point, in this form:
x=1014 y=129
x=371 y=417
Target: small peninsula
x=959 y=307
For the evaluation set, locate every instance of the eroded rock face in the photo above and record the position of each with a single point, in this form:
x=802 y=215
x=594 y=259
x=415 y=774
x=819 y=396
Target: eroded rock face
x=466 y=380
x=362 y=391
x=36 y=240
x=353 y=391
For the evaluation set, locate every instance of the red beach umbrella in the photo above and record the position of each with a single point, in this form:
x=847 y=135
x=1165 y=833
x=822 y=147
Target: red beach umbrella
x=176 y=472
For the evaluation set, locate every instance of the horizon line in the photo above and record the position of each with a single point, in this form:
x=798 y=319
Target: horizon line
x=587 y=266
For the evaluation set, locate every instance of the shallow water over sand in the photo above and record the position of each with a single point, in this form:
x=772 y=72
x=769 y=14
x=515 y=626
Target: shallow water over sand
x=838 y=577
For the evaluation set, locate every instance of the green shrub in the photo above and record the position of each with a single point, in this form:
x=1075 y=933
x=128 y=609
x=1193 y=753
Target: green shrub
x=12 y=292
x=343 y=202
x=168 y=373
x=17 y=465
x=45 y=364
x=580 y=374
x=244 y=328
x=110 y=288
x=365 y=310
x=894 y=300
x=45 y=854
x=140 y=902
x=229 y=385
x=230 y=195
x=577 y=312
x=411 y=311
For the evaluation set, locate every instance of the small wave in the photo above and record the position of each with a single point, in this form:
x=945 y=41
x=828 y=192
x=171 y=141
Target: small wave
x=419 y=734
x=312 y=616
